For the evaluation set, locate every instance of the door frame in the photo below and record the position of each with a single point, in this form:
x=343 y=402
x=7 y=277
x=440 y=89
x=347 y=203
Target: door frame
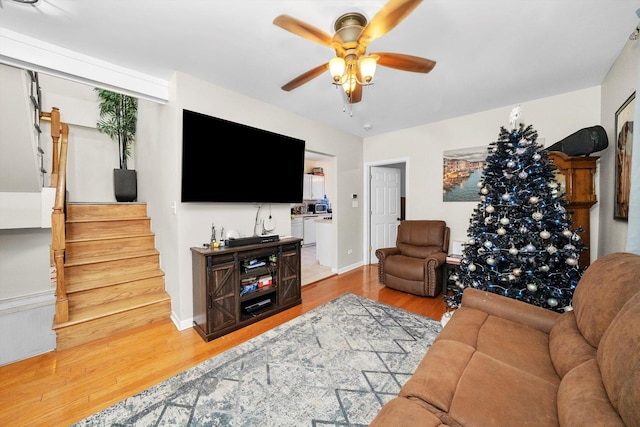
x=366 y=211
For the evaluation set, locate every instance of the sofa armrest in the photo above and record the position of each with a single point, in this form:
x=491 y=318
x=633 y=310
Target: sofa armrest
x=381 y=254
x=530 y=315
x=436 y=259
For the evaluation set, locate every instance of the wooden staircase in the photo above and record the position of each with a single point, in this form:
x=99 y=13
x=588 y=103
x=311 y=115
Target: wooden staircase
x=112 y=272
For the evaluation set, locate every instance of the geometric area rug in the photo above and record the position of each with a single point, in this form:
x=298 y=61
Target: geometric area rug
x=335 y=365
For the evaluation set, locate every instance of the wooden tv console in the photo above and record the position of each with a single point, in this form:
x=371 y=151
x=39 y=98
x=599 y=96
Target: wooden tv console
x=224 y=298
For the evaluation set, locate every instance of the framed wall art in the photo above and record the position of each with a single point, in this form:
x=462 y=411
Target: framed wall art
x=624 y=145
x=462 y=170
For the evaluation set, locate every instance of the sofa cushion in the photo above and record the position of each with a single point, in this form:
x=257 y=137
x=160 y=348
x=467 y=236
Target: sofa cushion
x=583 y=401
x=421 y=238
x=619 y=361
x=471 y=388
x=401 y=412
x=510 y=342
x=567 y=346
x=603 y=289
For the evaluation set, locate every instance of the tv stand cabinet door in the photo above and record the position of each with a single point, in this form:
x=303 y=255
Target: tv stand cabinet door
x=289 y=276
x=222 y=296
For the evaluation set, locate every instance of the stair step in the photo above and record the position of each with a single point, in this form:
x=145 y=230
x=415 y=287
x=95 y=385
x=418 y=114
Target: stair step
x=101 y=321
x=93 y=211
x=115 y=280
x=81 y=300
x=76 y=230
x=108 y=267
x=109 y=257
x=87 y=248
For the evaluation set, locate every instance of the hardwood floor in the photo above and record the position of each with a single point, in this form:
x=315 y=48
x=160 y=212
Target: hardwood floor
x=62 y=387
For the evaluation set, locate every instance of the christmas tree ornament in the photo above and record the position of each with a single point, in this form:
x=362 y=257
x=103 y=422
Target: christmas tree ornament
x=523 y=175
x=513 y=251
x=490 y=209
x=506 y=197
x=529 y=248
x=537 y=215
x=532 y=287
x=572 y=261
x=551 y=249
x=536 y=157
x=517 y=272
x=472 y=267
x=533 y=200
x=552 y=302
x=501 y=231
x=485 y=190
x=511 y=164
x=504 y=220
x=544 y=268
x=545 y=234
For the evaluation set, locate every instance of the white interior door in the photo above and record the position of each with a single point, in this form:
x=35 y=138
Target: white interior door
x=385 y=208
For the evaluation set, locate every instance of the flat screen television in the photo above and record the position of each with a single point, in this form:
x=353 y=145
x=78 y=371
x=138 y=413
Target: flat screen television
x=223 y=161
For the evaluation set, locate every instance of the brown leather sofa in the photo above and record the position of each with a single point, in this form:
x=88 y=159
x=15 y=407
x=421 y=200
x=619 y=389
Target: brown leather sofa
x=502 y=362
x=414 y=265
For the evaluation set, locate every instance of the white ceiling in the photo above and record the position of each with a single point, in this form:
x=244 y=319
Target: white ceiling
x=489 y=53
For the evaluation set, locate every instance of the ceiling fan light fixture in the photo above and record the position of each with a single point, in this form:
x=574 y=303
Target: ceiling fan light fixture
x=367 y=68
x=336 y=67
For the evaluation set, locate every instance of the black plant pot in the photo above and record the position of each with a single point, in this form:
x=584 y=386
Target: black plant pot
x=125 y=185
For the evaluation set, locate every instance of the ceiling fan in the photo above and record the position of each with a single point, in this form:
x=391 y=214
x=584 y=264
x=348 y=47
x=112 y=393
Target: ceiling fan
x=352 y=68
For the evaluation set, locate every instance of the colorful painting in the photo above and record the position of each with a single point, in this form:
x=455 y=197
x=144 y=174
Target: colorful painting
x=462 y=170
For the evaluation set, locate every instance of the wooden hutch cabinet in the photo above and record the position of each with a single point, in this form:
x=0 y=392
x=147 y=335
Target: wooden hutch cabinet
x=576 y=175
x=236 y=286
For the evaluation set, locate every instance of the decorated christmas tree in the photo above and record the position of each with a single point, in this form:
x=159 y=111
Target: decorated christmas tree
x=521 y=243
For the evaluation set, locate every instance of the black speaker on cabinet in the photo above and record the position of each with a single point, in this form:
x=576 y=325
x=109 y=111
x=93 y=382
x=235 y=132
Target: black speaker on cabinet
x=583 y=142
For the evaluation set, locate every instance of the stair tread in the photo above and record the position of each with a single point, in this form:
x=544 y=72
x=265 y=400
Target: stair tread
x=78 y=221
x=97 y=239
x=109 y=257
x=120 y=278
x=95 y=312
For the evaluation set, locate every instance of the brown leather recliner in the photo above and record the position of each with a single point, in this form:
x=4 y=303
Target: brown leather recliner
x=414 y=265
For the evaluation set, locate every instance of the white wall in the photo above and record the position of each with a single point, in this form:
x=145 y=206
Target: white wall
x=159 y=152
x=554 y=118
x=618 y=85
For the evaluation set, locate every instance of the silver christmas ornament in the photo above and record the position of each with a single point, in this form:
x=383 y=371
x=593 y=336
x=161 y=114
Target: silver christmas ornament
x=517 y=272
x=552 y=302
x=490 y=209
x=487 y=244
x=504 y=220
x=523 y=175
x=491 y=261
x=529 y=248
x=536 y=157
x=551 y=249
x=545 y=234
x=537 y=215
x=513 y=251
x=506 y=197
x=533 y=200
x=501 y=231
x=544 y=268
x=472 y=267
x=511 y=164
x=572 y=262
x=532 y=287
x=484 y=190
x=567 y=233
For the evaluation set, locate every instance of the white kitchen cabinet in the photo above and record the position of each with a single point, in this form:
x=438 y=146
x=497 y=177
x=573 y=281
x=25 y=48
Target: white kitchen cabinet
x=297 y=227
x=313 y=187
x=310 y=230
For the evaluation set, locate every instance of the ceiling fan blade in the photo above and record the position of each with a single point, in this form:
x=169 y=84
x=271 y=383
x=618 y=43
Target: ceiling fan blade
x=305 y=77
x=356 y=96
x=302 y=29
x=404 y=62
x=386 y=19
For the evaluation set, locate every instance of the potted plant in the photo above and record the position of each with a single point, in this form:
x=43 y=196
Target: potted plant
x=118 y=119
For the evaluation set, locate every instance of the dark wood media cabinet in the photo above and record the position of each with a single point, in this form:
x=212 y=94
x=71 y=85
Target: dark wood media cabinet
x=236 y=286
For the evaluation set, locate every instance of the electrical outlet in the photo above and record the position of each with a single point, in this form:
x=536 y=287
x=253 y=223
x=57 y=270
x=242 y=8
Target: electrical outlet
x=349 y=251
